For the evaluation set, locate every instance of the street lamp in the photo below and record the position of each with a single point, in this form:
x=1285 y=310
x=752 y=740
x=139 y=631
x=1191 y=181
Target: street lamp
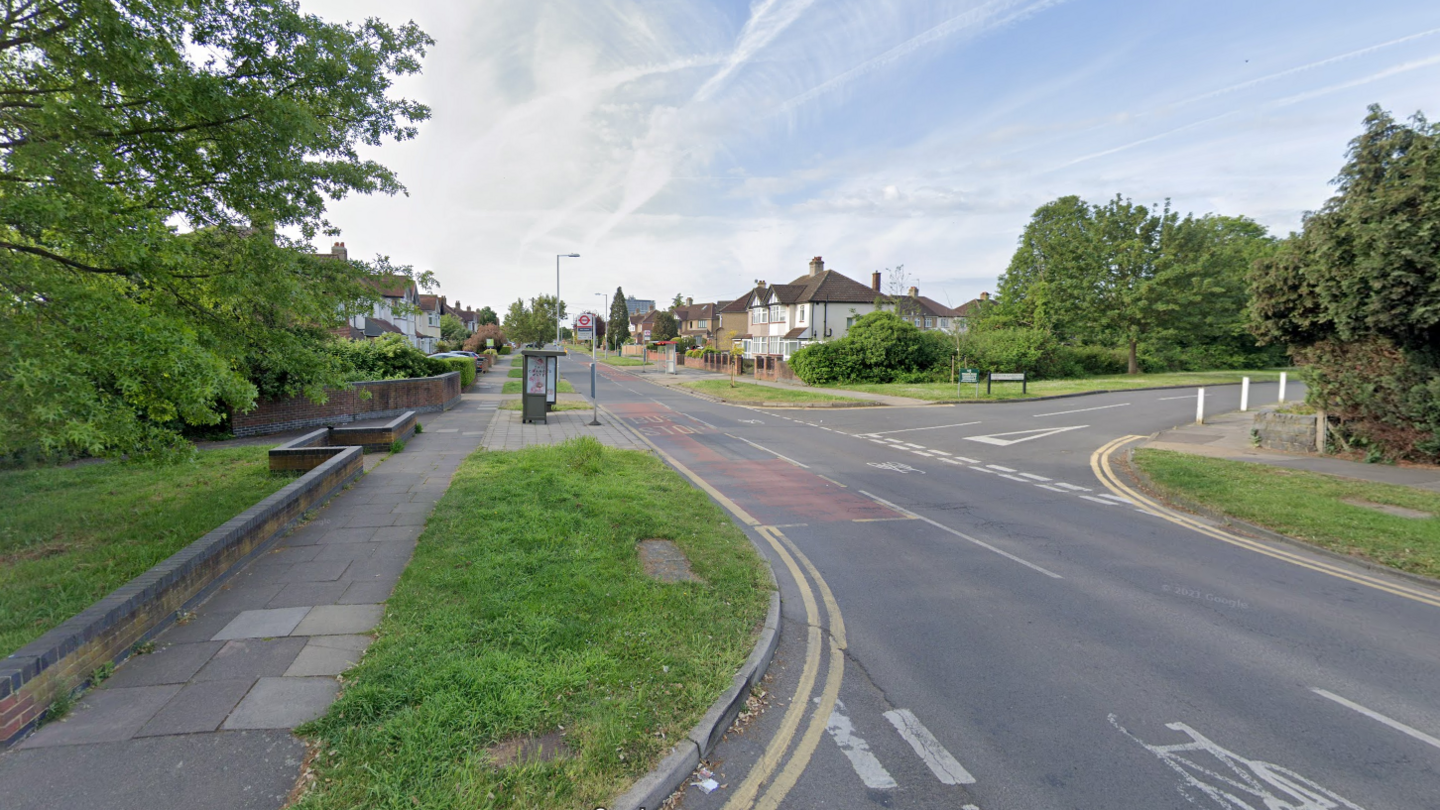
x=606 y=298
x=558 y=257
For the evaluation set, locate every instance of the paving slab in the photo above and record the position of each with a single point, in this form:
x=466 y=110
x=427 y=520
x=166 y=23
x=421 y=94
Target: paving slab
x=349 y=535
x=334 y=620
x=365 y=593
x=251 y=658
x=252 y=597
x=199 y=627
x=263 y=623
x=283 y=703
x=199 y=707
x=105 y=715
x=325 y=657
x=306 y=594
x=172 y=663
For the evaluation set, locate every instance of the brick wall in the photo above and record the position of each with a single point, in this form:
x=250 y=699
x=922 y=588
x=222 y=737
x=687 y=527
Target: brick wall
x=388 y=398
x=66 y=657
x=774 y=369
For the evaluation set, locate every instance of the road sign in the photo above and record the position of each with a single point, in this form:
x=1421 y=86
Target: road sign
x=584 y=321
x=1007 y=377
x=970 y=375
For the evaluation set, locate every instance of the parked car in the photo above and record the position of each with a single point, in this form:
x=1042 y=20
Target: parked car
x=472 y=355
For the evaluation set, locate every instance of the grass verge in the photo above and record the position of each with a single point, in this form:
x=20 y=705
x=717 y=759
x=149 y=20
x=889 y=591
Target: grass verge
x=515 y=405
x=622 y=361
x=71 y=535
x=1050 y=388
x=750 y=392
x=513 y=387
x=525 y=610
x=1307 y=506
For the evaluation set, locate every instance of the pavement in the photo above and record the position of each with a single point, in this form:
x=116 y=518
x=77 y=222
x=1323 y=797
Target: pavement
x=1227 y=436
x=971 y=619
x=204 y=721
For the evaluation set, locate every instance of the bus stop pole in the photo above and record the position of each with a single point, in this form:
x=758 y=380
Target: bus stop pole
x=594 y=400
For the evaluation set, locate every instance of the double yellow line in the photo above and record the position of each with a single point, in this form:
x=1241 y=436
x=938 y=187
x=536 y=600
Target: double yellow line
x=759 y=791
x=1100 y=464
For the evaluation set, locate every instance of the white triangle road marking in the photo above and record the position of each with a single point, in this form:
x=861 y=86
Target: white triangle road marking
x=1025 y=435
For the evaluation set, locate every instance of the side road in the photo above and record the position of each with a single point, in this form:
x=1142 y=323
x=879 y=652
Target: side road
x=683 y=374
x=205 y=719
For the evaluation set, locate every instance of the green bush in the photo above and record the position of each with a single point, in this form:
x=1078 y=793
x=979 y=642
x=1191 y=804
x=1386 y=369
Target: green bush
x=879 y=348
x=388 y=357
x=1095 y=361
x=464 y=365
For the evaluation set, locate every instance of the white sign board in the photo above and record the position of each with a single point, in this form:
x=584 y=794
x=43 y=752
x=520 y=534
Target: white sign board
x=1008 y=377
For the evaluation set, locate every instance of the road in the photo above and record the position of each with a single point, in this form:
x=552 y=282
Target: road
x=972 y=620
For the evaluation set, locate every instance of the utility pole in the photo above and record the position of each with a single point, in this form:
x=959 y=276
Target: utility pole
x=558 y=257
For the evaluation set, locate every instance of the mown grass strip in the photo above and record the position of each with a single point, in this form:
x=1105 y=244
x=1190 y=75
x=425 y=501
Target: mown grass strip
x=750 y=392
x=1307 y=506
x=622 y=361
x=513 y=386
x=515 y=405
x=1050 y=388
x=524 y=611
x=71 y=535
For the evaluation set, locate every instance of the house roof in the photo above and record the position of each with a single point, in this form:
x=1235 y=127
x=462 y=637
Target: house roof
x=738 y=305
x=430 y=303
x=391 y=286
x=929 y=306
x=695 y=312
x=348 y=331
x=830 y=286
x=375 y=327
x=796 y=332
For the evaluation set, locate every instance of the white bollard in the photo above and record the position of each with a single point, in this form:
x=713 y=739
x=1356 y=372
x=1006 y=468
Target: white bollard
x=1244 y=394
x=1282 y=386
x=1200 y=408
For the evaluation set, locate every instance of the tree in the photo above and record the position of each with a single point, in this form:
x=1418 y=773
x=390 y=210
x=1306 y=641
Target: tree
x=620 y=318
x=665 y=328
x=452 y=329
x=534 y=323
x=1356 y=294
x=677 y=302
x=898 y=285
x=150 y=153
x=486 y=315
x=490 y=332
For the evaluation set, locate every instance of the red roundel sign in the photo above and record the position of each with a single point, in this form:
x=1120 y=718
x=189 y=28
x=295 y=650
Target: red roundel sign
x=582 y=321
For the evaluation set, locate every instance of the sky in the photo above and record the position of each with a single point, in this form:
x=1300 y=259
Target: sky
x=695 y=146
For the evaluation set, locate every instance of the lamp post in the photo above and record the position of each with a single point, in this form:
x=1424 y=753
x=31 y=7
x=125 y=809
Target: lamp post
x=558 y=257
x=606 y=298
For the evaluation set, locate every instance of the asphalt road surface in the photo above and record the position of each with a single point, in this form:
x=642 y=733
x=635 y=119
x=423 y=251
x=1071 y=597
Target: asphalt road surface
x=973 y=620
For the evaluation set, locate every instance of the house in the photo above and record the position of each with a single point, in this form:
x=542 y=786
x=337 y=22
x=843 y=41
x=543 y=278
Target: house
x=698 y=321
x=428 y=322
x=926 y=313
x=820 y=305
x=734 y=319
x=641 y=324
x=397 y=310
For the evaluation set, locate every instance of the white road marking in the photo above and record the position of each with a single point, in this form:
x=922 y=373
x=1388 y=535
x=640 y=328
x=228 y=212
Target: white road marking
x=940 y=452
x=1034 y=477
x=1115 y=498
x=931 y=427
x=1015 y=478
x=931 y=752
x=998 y=467
x=701 y=421
x=1054 y=489
x=894 y=466
x=752 y=421
x=768 y=450
x=1187 y=396
x=922 y=453
x=1028 y=435
x=1101 y=501
x=982 y=469
x=1071 y=487
x=855 y=749
x=913 y=446
x=953 y=461
x=963 y=536
x=968 y=460
x=1235 y=781
x=877 y=441
x=1374 y=715
x=1082 y=410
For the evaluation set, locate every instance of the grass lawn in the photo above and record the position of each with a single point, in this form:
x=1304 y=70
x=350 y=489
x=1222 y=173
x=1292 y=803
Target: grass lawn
x=513 y=387
x=1045 y=388
x=514 y=405
x=623 y=361
x=71 y=535
x=1308 y=506
x=516 y=371
x=525 y=611
x=750 y=392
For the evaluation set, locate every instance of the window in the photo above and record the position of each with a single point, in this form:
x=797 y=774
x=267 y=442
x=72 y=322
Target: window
x=929 y=323
x=777 y=314
x=801 y=316
x=703 y=324
x=944 y=323
x=761 y=315
x=849 y=322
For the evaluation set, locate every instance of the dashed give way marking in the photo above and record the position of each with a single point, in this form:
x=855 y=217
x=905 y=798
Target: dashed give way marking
x=1005 y=439
x=855 y=749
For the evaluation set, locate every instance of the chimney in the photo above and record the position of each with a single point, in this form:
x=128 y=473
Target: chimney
x=914 y=292
x=984 y=296
x=817 y=266
x=338 y=251
x=689 y=302
x=875 y=281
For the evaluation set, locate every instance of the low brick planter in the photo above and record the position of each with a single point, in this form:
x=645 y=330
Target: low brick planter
x=1289 y=432
x=387 y=398
x=314 y=448
x=107 y=631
